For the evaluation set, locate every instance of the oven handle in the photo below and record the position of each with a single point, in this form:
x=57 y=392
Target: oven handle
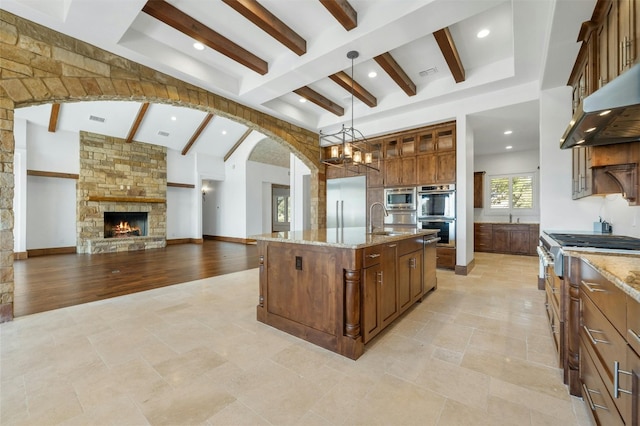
x=422 y=219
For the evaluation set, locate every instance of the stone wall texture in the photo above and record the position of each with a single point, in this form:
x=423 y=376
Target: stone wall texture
x=129 y=173
x=41 y=66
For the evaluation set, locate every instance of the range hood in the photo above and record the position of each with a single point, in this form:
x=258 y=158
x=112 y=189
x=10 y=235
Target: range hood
x=608 y=116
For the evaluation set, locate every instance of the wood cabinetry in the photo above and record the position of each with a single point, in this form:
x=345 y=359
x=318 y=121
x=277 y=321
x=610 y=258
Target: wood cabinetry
x=508 y=238
x=400 y=160
x=555 y=305
x=605 y=373
x=436 y=161
x=409 y=272
x=610 y=46
x=582 y=183
x=478 y=190
x=446 y=257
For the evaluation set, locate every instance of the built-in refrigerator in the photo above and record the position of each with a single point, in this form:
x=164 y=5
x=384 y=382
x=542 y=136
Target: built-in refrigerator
x=346 y=202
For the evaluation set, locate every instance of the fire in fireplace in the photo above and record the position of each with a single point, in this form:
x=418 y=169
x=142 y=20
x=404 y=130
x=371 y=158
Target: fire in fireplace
x=125 y=224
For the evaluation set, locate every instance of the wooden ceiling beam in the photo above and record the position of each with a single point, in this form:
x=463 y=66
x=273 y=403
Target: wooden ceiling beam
x=343 y=12
x=268 y=22
x=397 y=74
x=197 y=133
x=450 y=53
x=53 y=118
x=345 y=81
x=315 y=97
x=182 y=22
x=237 y=144
x=138 y=121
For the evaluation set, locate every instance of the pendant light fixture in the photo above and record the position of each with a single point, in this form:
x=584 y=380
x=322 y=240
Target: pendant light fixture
x=348 y=147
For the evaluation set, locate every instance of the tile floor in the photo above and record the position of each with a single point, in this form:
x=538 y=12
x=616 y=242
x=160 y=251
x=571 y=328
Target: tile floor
x=477 y=351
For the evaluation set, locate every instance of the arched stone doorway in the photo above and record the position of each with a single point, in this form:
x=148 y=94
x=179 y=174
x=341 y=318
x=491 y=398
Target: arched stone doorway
x=43 y=66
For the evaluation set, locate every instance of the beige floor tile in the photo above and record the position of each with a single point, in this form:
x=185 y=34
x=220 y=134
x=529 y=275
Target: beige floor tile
x=476 y=351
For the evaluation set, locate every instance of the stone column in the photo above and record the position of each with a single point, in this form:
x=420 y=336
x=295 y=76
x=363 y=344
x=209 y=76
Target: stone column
x=6 y=207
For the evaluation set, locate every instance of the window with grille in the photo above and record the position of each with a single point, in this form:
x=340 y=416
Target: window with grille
x=511 y=193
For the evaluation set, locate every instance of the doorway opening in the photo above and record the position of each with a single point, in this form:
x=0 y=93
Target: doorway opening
x=280 y=208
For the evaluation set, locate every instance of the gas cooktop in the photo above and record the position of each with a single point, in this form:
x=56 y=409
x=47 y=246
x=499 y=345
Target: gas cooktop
x=603 y=241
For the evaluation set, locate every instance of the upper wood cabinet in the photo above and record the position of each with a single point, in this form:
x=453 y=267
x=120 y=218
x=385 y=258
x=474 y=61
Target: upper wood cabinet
x=478 y=190
x=436 y=160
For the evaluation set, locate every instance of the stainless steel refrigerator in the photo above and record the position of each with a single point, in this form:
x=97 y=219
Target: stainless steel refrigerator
x=346 y=202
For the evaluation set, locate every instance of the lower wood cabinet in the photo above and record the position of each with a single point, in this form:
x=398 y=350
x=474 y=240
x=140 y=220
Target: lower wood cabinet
x=446 y=257
x=508 y=238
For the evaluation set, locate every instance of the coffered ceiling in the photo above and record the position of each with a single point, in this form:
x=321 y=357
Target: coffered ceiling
x=273 y=53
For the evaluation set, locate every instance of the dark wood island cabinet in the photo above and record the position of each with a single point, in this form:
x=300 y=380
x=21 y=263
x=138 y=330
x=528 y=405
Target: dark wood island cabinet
x=338 y=288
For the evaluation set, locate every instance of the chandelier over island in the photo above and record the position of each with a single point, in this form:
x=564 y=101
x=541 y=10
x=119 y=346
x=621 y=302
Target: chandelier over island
x=348 y=147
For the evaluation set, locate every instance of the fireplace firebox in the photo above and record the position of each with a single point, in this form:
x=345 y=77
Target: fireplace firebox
x=125 y=224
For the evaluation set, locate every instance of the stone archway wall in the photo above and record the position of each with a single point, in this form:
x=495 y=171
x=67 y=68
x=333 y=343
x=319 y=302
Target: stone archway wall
x=39 y=65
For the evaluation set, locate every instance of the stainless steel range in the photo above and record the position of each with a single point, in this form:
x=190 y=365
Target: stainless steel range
x=552 y=244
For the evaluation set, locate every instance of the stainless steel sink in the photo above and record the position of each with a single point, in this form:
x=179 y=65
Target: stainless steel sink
x=387 y=233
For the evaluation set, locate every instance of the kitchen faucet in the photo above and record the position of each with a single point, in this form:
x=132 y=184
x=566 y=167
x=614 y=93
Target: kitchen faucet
x=386 y=213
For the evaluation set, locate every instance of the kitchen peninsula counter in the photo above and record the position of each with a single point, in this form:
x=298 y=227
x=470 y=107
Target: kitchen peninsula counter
x=338 y=288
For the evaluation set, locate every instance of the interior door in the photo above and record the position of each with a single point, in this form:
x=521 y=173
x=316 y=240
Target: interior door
x=280 y=208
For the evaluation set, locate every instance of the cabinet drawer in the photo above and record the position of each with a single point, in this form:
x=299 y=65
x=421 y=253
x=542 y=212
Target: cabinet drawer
x=410 y=245
x=595 y=393
x=609 y=298
x=371 y=256
x=556 y=328
x=607 y=344
x=633 y=324
x=553 y=286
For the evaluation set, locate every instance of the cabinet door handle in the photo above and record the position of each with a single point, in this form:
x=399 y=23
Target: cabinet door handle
x=590 y=286
x=634 y=334
x=373 y=255
x=593 y=340
x=380 y=278
x=392 y=245
x=587 y=392
x=616 y=380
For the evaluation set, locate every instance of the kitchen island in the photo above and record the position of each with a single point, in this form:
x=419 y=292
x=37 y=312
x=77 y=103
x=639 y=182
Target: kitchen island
x=339 y=287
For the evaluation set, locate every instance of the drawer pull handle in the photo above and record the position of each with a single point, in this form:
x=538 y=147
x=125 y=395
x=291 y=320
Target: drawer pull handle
x=590 y=286
x=587 y=392
x=373 y=256
x=392 y=245
x=634 y=334
x=593 y=340
x=616 y=380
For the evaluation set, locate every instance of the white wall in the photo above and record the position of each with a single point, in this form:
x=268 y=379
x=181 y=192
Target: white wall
x=20 y=186
x=51 y=212
x=558 y=211
x=300 y=194
x=508 y=163
x=464 y=192
x=260 y=178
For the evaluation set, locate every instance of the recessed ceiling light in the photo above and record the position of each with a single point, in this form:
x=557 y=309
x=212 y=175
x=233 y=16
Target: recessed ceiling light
x=198 y=46
x=508 y=132
x=302 y=100
x=508 y=147
x=483 y=33
x=224 y=132
x=373 y=74
x=604 y=112
x=173 y=118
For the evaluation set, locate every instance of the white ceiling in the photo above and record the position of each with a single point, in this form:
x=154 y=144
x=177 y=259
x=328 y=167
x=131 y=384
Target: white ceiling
x=524 y=35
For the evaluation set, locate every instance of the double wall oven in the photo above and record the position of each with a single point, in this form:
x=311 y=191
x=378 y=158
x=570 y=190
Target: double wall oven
x=436 y=205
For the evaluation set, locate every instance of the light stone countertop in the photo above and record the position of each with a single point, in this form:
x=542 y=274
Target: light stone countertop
x=622 y=270
x=352 y=238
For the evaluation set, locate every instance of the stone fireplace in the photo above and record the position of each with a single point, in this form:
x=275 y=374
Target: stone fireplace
x=126 y=180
